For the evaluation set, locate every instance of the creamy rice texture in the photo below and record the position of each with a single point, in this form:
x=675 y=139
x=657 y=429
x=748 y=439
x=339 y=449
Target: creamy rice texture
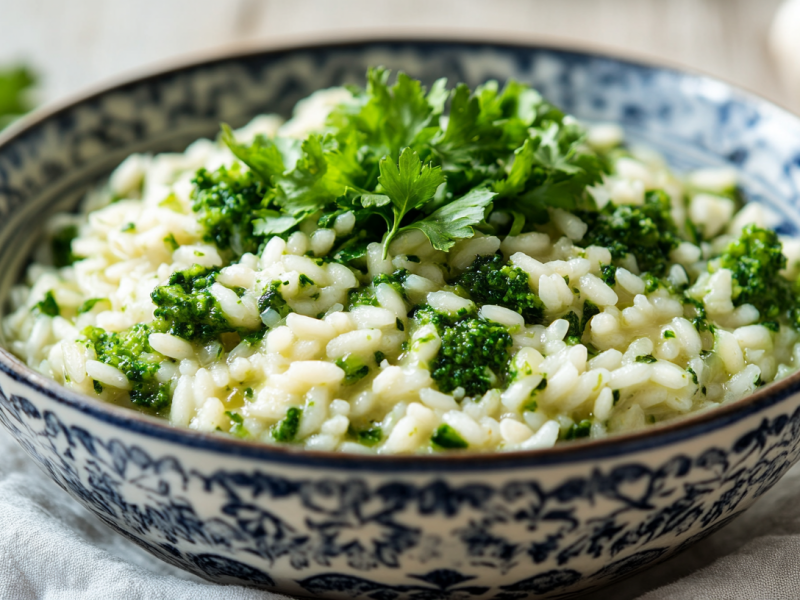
x=331 y=373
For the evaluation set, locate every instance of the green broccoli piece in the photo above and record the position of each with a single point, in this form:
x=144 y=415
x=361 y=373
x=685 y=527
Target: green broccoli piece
x=648 y=232
x=579 y=430
x=124 y=351
x=490 y=280
x=608 y=273
x=187 y=308
x=473 y=354
x=272 y=298
x=365 y=296
x=755 y=260
x=237 y=425
x=227 y=202
x=447 y=438
x=574 y=332
x=48 y=305
x=91 y=303
x=285 y=430
x=532 y=404
x=353 y=367
x=577 y=325
x=367 y=437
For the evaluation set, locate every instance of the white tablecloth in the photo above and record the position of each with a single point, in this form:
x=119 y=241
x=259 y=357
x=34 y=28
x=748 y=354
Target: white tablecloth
x=53 y=549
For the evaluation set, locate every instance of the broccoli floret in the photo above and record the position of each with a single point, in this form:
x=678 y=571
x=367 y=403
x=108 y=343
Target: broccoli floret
x=447 y=438
x=647 y=231
x=489 y=280
x=473 y=352
x=285 y=430
x=187 y=307
x=61 y=246
x=755 y=260
x=225 y=202
x=124 y=351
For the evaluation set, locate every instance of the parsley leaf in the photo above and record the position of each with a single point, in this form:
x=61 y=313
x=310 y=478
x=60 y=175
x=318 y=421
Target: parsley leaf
x=408 y=185
x=454 y=221
x=262 y=156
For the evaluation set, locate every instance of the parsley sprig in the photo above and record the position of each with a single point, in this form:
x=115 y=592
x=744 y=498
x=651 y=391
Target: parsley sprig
x=389 y=156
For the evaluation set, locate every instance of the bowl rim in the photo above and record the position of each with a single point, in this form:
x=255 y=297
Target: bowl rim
x=652 y=437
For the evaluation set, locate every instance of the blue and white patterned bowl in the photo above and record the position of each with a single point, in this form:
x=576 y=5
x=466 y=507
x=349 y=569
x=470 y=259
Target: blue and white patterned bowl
x=543 y=523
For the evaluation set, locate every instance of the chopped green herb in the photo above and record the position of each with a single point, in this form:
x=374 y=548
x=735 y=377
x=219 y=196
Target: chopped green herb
x=91 y=303
x=646 y=358
x=61 y=246
x=668 y=334
x=304 y=280
x=237 y=425
x=248 y=392
x=48 y=305
x=579 y=430
x=128 y=227
x=379 y=357
x=609 y=274
x=399 y=325
x=98 y=388
x=616 y=395
x=285 y=430
x=447 y=438
x=171 y=242
x=272 y=298
x=369 y=437
x=353 y=367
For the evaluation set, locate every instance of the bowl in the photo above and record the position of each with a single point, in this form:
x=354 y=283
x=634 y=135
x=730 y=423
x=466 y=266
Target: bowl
x=504 y=525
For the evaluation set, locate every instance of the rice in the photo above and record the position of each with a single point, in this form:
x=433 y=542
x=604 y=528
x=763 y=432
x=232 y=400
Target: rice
x=361 y=379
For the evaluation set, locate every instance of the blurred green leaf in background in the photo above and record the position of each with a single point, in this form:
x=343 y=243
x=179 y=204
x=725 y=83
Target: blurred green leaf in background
x=15 y=84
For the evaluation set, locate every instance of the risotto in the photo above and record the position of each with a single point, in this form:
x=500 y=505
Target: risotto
x=381 y=275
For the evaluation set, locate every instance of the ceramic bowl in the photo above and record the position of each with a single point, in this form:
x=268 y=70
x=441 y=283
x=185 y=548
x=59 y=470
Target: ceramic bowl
x=543 y=523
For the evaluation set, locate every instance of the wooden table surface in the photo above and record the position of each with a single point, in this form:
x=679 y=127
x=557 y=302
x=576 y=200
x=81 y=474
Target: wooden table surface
x=78 y=43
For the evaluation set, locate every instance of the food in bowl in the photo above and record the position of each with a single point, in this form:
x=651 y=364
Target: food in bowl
x=373 y=275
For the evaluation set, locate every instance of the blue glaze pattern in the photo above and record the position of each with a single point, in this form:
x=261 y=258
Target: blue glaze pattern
x=351 y=528
x=348 y=521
